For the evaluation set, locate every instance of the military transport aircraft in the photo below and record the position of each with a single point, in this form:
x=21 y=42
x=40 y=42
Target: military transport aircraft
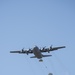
x=38 y=52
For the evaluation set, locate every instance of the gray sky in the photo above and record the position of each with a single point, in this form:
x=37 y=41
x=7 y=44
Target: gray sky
x=24 y=24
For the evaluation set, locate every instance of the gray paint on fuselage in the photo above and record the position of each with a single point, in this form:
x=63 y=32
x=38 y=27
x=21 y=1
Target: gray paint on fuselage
x=37 y=52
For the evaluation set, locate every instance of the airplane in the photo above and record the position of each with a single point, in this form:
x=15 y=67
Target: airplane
x=38 y=52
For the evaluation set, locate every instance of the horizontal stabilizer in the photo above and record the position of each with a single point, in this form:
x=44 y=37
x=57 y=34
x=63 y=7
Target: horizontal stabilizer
x=46 y=55
x=33 y=57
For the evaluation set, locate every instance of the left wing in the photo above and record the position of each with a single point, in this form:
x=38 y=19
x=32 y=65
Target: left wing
x=22 y=51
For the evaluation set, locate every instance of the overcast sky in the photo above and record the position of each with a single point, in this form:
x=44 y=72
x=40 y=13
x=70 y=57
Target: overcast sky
x=26 y=23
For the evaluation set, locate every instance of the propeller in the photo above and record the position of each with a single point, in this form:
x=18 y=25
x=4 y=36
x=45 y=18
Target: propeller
x=29 y=49
x=25 y=51
x=44 y=48
x=50 y=49
x=22 y=49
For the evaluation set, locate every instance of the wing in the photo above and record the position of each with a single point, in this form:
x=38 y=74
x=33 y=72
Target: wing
x=22 y=52
x=15 y=51
x=51 y=49
x=56 y=48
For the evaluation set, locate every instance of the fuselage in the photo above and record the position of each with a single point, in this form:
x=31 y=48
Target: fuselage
x=37 y=52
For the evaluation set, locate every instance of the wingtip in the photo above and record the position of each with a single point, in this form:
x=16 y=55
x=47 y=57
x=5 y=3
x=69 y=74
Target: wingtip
x=11 y=52
x=64 y=46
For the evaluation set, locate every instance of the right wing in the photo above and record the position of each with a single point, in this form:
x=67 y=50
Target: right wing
x=22 y=51
x=15 y=52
